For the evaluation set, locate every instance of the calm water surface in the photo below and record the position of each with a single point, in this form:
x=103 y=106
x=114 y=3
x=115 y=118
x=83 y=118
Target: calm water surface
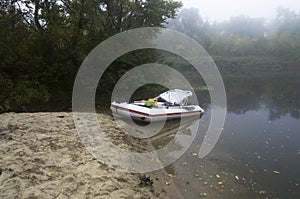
x=258 y=153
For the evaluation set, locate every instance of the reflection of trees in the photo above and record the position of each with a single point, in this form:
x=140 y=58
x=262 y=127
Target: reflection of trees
x=242 y=95
x=279 y=94
x=283 y=97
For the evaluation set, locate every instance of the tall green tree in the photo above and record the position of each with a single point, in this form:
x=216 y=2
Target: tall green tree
x=43 y=42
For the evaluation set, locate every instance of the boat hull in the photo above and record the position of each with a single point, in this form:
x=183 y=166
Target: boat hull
x=153 y=114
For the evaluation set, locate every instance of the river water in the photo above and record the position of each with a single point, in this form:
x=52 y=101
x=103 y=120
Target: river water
x=258 y=153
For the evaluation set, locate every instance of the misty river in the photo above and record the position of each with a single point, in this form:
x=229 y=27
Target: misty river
x=258 y=153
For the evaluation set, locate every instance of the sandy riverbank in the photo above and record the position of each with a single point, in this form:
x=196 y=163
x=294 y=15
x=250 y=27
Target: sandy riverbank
x=42 y=157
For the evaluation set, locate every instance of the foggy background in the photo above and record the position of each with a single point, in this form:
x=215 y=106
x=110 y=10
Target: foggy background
x=215 y=10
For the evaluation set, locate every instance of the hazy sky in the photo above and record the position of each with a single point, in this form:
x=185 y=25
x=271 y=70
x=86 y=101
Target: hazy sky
x=219 y=10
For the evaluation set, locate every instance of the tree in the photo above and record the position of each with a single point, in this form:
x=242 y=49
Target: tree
x=43 y=42
x=191 y=23
x=244 y=26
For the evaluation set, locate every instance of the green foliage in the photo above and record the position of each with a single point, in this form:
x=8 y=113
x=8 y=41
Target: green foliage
x=119 y=67
x=43 y=43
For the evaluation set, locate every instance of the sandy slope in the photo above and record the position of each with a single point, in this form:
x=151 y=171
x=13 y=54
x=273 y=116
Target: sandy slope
x=41 y=156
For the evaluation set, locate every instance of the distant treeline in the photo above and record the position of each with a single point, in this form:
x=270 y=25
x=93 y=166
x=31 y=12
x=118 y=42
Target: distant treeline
x=244 y=36
x=239 y=65
x=43 y=43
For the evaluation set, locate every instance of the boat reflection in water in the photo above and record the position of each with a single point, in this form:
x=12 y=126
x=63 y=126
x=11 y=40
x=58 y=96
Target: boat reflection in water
x=169 y=139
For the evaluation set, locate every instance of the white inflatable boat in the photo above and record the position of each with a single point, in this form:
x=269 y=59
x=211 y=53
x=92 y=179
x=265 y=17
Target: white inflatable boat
x=172 y=104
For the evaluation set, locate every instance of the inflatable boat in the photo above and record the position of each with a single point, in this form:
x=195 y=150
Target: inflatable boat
x=172 y=104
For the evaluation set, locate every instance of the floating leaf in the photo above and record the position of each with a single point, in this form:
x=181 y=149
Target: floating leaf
x=277 y=172
x=168 y=182
x=203 y=194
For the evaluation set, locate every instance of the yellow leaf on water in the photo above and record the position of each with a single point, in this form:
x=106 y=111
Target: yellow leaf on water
x=218 y=176
x=203 y=194
x=168 y=182
x=170 y=175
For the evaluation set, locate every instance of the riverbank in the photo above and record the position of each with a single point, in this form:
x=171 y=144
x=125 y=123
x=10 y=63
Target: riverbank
x=42 y=157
